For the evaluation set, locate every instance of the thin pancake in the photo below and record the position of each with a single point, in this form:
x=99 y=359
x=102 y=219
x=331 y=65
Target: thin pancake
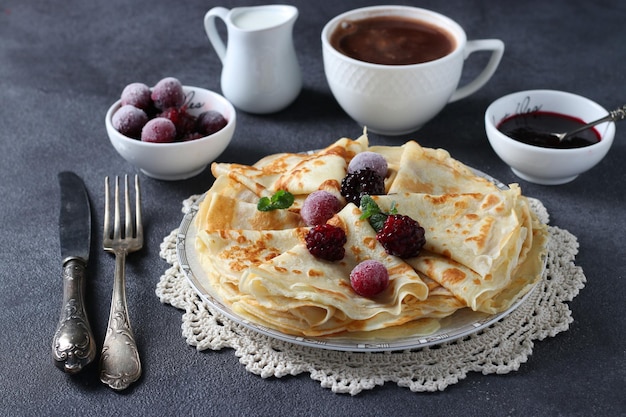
x=223 y=213
x=298 y=284
x=226 y=254
x=434 y=171
x=484 y=247
x=473 y=229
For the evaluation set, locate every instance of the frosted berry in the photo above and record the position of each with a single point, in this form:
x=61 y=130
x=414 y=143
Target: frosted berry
x=165 y=101
x=159 y=130
x=369 y=278
x=168 y=93
x=138 y=95
x=363 y=182
x=326 y=241
x=371 y=160
x=129 y=120
x=210 y=122
x=318 y=207
x=191 y=136
x=401 y=236
x=185 y=123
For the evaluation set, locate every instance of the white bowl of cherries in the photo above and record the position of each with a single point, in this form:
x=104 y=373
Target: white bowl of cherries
x=170 y=131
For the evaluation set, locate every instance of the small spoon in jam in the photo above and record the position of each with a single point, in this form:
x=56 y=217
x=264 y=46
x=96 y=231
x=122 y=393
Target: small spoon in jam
x=613 y=116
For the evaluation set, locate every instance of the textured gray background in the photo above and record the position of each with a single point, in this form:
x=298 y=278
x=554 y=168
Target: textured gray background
x=63 y=63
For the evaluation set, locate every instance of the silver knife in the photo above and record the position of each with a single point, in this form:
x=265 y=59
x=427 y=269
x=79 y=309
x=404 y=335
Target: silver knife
x=73 y=345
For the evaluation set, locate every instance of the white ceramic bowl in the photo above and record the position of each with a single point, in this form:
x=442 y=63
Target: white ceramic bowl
x=179 y=160
x=541 y=165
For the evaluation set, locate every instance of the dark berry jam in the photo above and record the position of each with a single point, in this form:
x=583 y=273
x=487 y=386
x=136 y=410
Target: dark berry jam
x=537 y=128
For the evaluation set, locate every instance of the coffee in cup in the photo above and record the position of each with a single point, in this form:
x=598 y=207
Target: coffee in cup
x=393 y=68
x=392 y=40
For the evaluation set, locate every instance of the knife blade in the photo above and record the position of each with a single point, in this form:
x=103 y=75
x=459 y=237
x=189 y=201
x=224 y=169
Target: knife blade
x=73 y=345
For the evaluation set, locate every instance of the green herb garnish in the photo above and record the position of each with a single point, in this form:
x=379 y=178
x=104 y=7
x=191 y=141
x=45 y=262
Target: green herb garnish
x=280 y=200
x=373 y=213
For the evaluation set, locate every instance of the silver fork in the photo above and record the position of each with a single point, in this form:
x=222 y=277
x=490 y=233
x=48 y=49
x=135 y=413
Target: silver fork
x=119 y=364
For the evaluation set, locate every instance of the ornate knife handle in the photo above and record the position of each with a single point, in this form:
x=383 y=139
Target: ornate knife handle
x=73 y=345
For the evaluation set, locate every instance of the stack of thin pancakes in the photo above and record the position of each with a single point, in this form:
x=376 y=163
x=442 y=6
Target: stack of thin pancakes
x=484 y=247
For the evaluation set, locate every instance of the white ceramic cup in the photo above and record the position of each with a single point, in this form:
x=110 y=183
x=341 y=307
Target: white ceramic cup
x=398 y=99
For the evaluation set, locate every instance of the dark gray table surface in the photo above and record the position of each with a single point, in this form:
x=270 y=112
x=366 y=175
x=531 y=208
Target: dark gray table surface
x=63 y=63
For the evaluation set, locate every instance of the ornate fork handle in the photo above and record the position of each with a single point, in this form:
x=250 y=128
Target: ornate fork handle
x=119 y=364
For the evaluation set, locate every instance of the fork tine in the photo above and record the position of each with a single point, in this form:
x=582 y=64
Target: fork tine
x=107 y=210
x=128 y=227
x=138 y=220
x=117 y=232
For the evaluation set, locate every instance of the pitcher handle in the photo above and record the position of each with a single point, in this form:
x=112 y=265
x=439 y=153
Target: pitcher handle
x=211 y=30
x=497 y=48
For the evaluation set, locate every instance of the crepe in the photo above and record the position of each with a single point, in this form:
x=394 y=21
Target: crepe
x=484 y=247
x=431 y=171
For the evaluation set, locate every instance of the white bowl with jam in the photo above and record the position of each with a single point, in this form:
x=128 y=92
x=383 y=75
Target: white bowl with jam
x=518 y=127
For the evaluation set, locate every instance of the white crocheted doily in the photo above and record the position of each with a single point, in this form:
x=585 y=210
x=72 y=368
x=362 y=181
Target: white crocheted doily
x=500 y=348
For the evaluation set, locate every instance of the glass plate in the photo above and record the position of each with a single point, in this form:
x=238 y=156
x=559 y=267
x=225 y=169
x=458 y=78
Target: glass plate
x=460 y=324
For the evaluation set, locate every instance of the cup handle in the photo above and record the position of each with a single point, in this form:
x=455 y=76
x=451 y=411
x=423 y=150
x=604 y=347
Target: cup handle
x=211 y=30
x=497 y=48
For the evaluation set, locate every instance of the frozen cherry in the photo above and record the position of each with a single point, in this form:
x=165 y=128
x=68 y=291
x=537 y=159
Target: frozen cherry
x=371 y=160
x=191 y=136
x=159 y=130
x=168 y=93
x=185 y=123
x=138 y=95
x=318 y=207
x=369 y=278
x=129 y=120
x=210 y=122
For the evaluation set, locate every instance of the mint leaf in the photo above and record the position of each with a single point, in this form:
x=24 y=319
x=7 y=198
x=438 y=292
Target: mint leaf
x=377 y=221
x=371 y=211
x=280 y=200
x=264 y=204
x=368 y=207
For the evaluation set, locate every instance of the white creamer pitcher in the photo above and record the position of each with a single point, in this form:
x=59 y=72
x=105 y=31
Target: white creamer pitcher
x=260 y=71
